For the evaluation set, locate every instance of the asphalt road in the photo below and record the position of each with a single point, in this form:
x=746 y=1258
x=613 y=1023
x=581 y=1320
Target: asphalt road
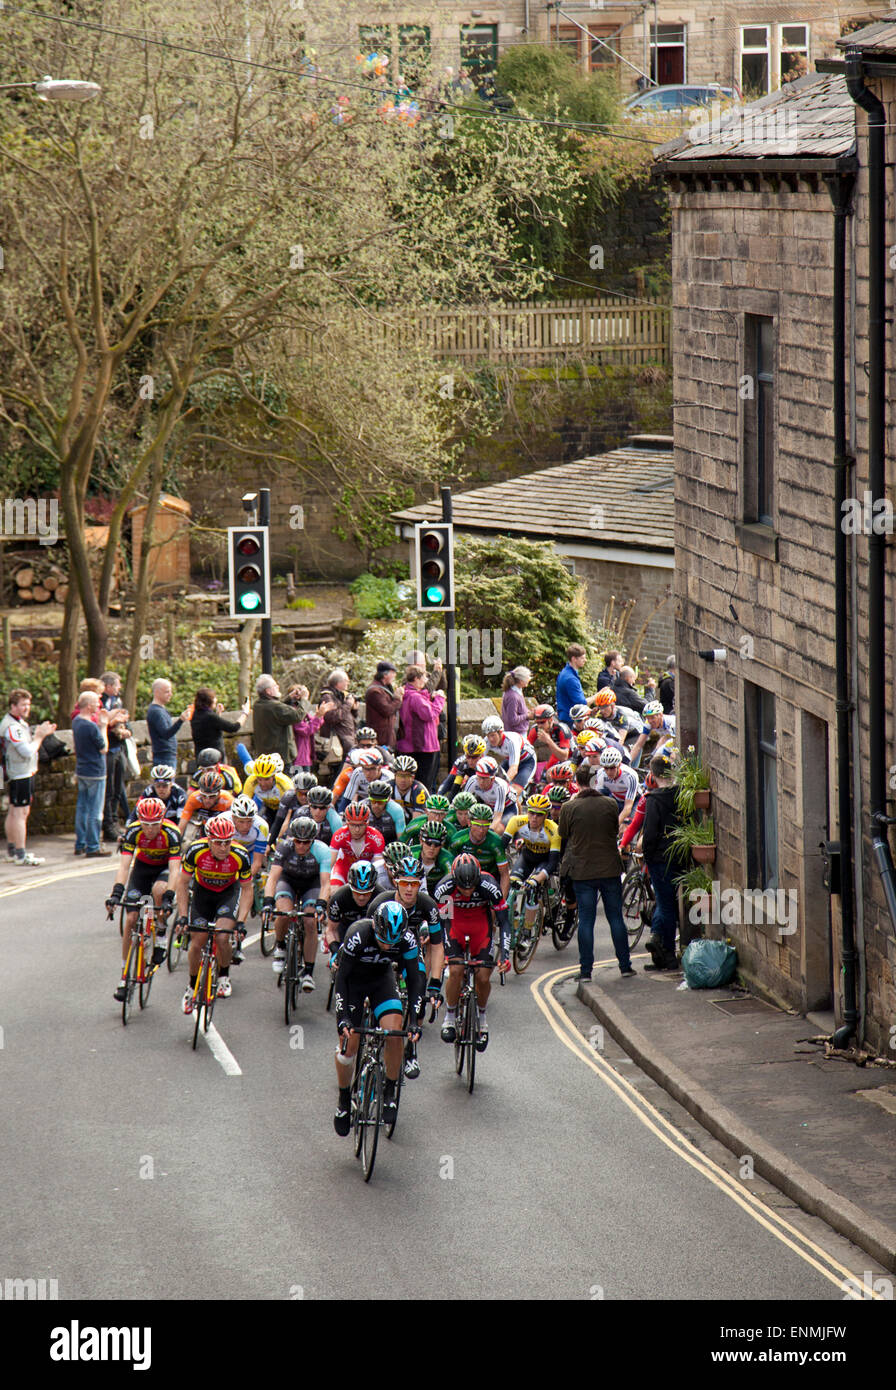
x=135 y=1167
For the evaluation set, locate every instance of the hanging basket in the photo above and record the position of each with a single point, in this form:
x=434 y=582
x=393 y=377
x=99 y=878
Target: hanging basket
x=703 y=854
x=702 y=799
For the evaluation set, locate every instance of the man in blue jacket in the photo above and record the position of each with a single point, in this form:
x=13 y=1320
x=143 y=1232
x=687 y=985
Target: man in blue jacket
x=569 y=686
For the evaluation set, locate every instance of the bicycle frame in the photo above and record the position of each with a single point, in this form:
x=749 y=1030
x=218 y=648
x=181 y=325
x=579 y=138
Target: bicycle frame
x=206 y=987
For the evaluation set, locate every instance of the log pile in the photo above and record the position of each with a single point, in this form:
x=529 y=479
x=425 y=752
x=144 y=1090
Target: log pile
x=38 y=579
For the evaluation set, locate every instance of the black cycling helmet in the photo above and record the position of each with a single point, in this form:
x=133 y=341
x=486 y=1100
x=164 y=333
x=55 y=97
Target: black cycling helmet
x=389 y=921
x=302 y=828
x=208 y=757
x=304 y=781
x=366 y=735
x=466 y=871
x=380 y=790
x=362 y=876
x=320 y=796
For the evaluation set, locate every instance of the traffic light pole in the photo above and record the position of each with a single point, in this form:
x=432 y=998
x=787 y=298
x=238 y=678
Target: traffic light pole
x=450 y=669
x=267 y=639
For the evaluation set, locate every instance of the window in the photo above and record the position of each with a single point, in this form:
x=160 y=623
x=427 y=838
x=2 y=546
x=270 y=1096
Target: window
x=603 y=43
x=794 y=51
x=375 y=38
x=762 y=787
x=570 y=41
x=667 y=53
x=413 y=53
x=758 y=392
x=479 y=48
x=754 y=60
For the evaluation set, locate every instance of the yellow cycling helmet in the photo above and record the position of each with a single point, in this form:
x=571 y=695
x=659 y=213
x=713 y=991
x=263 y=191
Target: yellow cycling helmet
x=538 y=804
x=265 y=766
x=584 y=737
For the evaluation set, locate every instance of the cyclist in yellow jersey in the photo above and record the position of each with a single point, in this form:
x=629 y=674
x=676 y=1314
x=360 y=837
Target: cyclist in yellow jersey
x=266 y=785
x=537 y=841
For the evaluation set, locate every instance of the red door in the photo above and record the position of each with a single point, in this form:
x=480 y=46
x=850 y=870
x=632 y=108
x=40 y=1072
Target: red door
x=670 y=65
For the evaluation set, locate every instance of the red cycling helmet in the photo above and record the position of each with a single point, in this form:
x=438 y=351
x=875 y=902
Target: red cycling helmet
x=357 y=813
x=219 y=828
x=486 y=767
x=466 y=871
x=150 y=809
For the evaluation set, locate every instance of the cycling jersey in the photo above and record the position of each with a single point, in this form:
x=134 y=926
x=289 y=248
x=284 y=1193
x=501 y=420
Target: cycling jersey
x=413 y=800
x=436 y=871
x=326 y=829
x=509 y=751
x=461 y=769
x=490 y=852
x=496 y=796
x=343 y=910
x=174 y=804
x=371 y=847
x=472 y=916
x=411 y=833
x=542 y=843
x=366 y=971
x=256 y=840
x=560 y=735
x=390 y=824
x=268 y=800
x=155 y=845
x=217 y=875
x=289 y=807
x=192 y=808
x=424 y=913
x=623 y=788
x=232 y=781
x=301 y=870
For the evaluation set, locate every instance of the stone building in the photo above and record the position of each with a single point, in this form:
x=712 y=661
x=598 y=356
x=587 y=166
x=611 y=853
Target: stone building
x=782 y=357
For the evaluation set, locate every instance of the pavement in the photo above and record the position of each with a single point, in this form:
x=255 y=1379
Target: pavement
x=822 y=1130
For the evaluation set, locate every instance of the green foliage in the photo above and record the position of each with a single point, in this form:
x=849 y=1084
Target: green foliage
x=694 y=880
x=300 y=603
x=375 y=597
x=688 y=834
x=691 y=776
x=42 y=679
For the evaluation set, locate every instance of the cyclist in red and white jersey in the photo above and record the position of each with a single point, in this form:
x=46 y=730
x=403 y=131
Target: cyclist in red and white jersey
x=356 y=840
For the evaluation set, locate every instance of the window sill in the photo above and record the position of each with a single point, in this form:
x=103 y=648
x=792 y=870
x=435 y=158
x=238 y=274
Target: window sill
x=757 y=538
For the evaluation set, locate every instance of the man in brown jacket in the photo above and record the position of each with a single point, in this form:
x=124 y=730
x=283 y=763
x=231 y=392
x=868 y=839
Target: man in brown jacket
x=382 y=701
x=589 y=831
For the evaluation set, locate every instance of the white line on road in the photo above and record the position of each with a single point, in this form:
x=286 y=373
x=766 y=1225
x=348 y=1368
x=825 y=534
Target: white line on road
x=221 y=1052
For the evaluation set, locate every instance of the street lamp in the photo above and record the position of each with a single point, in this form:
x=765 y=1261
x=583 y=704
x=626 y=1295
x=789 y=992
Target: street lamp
x=56 y=89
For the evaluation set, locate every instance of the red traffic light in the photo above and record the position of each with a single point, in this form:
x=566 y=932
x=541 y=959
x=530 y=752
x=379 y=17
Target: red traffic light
x=248 y=545
x=432 y=540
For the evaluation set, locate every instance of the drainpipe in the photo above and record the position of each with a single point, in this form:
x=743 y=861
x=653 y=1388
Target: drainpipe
x=840 y=188
x=877 y=710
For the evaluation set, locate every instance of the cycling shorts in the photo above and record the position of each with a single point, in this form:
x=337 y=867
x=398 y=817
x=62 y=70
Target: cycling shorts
x=208 y=906
x=526 y=863
x=293 y=893
x=480 y=942
x=21 y=791
x=143 y=876
x=382 y=992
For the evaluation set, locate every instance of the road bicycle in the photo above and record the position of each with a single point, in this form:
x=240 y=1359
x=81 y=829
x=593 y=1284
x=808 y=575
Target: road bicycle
x=205 y=991
x=564 y=915
x=467 y=1019
x=638 y=898
x=138 y=968
x=290 y=977
x=368 y=1089
x=524 y=937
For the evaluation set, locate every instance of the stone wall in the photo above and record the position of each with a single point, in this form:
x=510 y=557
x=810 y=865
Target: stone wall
x=648 y=585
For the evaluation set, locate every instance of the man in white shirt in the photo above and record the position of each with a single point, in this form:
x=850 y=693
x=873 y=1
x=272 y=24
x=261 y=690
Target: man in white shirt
x=20 y=749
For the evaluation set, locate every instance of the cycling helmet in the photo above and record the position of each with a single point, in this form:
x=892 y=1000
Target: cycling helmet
x=473 y=746
x=464 y=801
x=611 y=757
x=558 y=794
x=592 y=723
x=302 y=828
x=210 y=781
x=379 y=790
x=652 y=707
x=541 y=712
x=264 y=766
x=208 y=757
x=394 y=853
x=405 y=763
x=362 y=876
x=369 y=759
x=409 y=868
x=162 y=773
x=437 y=803
x=433 y=832
x=538 y=804
x=320 y=796
x=492 y=725
x=243 y=807
x=605 y=697
x=650 y=782
x=365 y=734
x=594 y=746
x=357 y=813
x=480 y=814
x=486 y=767
x=467 y=871
x=219 y=828
x=389 y=921
x=560 y=772
x=277 y=761
x=578 y=712
x=304 y=781
x=584 y=737
x=150 y=809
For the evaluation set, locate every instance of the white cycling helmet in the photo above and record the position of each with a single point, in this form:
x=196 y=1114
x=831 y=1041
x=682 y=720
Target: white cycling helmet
x=578 y=712
x=486 y=767
x=277 y=761
x=611 y=757
x=652 y=707
x=243 y=807
x=492 y=725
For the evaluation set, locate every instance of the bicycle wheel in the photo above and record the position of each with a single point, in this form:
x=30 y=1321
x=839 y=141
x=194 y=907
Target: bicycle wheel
x=198 y=996
x=460 y=1023
x=357 y=1105
x=390 y=1129
x=290 y=976
x=633 y=903
x=526 y=937
x=563 y=927
x=121 y=917
x=148 y=969
x=209 y=1006
x=472 y=1029
x=266 y=939
x=175 y=947
x=372 y=1114
x=128 y=981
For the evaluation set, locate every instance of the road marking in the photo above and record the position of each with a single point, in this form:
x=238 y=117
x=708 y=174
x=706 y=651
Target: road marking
x=221 y=1052
x=62 y=877
x=673 y=1138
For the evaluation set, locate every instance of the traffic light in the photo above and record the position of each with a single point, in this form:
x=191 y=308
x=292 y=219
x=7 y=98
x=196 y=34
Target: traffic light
x=250 y=581
x=435 y=567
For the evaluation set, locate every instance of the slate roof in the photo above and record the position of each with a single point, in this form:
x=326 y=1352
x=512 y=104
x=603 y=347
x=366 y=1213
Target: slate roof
x=881 y=35
x=811 y=117
x=559 y=503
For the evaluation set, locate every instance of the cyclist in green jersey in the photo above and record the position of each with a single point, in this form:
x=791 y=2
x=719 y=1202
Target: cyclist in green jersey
x=431 y=856
x=485 y=844
x=436 y=809
x=458 y=818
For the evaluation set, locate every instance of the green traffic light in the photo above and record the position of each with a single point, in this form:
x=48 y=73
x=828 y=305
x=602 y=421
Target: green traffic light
x=249 y=602
x=435 y=594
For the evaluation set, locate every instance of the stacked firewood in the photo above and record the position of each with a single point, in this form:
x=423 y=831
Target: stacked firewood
x=39 y=579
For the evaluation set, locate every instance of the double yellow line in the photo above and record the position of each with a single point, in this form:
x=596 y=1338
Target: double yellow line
x=651 y=1118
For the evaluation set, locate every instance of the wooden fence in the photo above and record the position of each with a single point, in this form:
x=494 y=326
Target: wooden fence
x=527 y=335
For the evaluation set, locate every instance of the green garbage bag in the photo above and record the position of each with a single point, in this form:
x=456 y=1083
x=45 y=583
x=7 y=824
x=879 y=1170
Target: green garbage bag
x=708 y=964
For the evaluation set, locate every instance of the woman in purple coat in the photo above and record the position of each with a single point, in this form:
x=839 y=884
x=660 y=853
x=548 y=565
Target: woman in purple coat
x=420 y=724
x=514 y=711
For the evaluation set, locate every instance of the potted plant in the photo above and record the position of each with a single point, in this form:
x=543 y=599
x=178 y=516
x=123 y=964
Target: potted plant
x=696 y=838
x=692 y=783
x=696 y=885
